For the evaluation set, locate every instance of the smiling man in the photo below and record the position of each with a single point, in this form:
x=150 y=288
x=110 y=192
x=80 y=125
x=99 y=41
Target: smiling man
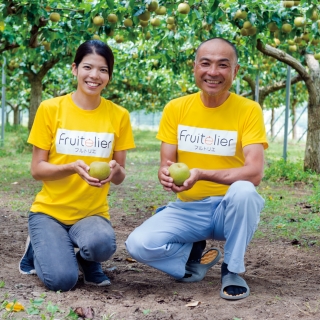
x=221 y=137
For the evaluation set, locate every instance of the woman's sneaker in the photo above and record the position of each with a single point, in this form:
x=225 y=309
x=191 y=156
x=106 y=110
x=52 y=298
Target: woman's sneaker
x=92 y=272
x=26 y=265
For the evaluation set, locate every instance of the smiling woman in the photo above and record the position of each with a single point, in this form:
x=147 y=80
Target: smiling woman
x=71 y=211
x=93 y=70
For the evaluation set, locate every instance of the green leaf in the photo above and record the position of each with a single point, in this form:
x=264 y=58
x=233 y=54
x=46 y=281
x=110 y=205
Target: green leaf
x=110 y=4
x=214 y=5
x=52 y=308
x=197 y=13
x=72 y=315
x=37 y=301
x=32 y=310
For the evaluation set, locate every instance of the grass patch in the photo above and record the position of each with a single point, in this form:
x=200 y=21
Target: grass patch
x=292 y=196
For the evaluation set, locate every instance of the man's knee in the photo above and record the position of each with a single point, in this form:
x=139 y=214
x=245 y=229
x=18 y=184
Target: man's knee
x=139 y=246
x=244 y=192
x=242 y=189
x=133 y=245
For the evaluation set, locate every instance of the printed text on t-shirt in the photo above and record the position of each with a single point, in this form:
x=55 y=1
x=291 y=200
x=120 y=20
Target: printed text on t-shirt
x=207 y=141
x=84 y=143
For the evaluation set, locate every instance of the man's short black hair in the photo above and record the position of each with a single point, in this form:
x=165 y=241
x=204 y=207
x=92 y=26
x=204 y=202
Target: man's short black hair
x=225 y=40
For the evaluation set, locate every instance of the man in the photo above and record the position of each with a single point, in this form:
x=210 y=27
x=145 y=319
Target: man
x=221 y=137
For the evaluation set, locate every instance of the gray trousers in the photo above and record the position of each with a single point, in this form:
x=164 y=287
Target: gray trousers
x=164 y=241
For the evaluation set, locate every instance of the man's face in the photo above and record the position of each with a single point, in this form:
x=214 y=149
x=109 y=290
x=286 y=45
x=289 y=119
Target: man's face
x=215 y=68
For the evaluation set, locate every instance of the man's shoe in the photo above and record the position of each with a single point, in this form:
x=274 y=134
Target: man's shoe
x=26 y=265
x=92 y=272
x=196 y=271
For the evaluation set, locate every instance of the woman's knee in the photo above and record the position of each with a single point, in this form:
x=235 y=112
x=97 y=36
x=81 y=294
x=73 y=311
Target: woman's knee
x=99 y=250
x=64 y=280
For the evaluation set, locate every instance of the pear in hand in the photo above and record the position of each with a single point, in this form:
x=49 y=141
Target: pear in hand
x=179 y=172
x=100 y=170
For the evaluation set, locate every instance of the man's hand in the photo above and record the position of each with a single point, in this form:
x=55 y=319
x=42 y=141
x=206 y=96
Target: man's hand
x=167 y=181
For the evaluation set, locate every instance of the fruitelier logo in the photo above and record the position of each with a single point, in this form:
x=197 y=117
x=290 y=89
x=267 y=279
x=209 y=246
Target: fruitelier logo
x=84 y=143
x=207 y=141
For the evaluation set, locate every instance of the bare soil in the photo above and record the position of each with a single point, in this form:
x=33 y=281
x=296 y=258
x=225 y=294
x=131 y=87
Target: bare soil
x=284 y=281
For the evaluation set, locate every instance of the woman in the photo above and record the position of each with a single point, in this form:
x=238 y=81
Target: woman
x=71 y=211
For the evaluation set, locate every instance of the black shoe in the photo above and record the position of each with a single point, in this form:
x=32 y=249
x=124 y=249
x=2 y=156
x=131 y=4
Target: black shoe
x=92 y=272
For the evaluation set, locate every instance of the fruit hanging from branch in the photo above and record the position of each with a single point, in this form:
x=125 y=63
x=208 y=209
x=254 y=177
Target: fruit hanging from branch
x=98 y=21
x=183 y=8
x=54 y=16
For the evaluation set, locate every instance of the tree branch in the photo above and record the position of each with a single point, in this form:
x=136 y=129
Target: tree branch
x=9 y=46
x=43 y=70
x=292 y=62
x=266 y=90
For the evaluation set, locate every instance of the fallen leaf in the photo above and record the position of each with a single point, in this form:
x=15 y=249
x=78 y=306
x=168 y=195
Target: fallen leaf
x=131 y=260
x=14 y=306
x=86 y=312
x=193 y=303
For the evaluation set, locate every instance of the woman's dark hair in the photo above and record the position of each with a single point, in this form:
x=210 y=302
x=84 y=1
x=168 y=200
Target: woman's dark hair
x=97 y=47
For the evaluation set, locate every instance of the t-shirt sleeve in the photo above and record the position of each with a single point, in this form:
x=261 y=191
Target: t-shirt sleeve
x=254 y=128
x=125 y=138
x=168 y=126
x=41 y=132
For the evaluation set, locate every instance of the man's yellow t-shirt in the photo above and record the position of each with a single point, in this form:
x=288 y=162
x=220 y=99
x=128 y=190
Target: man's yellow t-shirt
x=211 y=138
x=69 y=134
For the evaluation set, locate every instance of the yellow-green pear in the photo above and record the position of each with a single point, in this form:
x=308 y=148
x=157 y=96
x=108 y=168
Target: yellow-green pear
x=179 y=172
x=183 y=8
x=100 y=170
x=54 y=16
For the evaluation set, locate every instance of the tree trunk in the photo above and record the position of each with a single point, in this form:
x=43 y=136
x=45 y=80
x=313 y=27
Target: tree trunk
x=293 y=119
x=35 y=98
x=7 y=117
x=35 y=80
x=312 y=153
x=272 y=123
x=312 y=82
x=16 y=116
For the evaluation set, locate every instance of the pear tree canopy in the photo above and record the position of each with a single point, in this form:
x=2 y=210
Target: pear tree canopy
x=154 y=44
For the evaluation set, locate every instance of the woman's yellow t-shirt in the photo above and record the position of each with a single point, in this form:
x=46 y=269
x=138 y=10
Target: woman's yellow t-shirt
x=69 y=134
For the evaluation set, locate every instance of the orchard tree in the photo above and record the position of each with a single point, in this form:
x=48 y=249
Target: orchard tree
x=155 y=41
x=37 y=35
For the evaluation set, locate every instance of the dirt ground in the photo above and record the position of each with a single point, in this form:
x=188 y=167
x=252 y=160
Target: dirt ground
x=284 y=281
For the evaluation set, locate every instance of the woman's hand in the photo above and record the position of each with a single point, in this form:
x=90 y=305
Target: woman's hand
x=116 y=176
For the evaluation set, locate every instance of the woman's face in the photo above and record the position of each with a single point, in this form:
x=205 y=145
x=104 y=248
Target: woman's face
x=92 y=74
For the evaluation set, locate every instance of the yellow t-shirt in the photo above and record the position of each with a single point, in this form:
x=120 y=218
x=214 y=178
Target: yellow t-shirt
x=211 y=138
x=70 y=134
